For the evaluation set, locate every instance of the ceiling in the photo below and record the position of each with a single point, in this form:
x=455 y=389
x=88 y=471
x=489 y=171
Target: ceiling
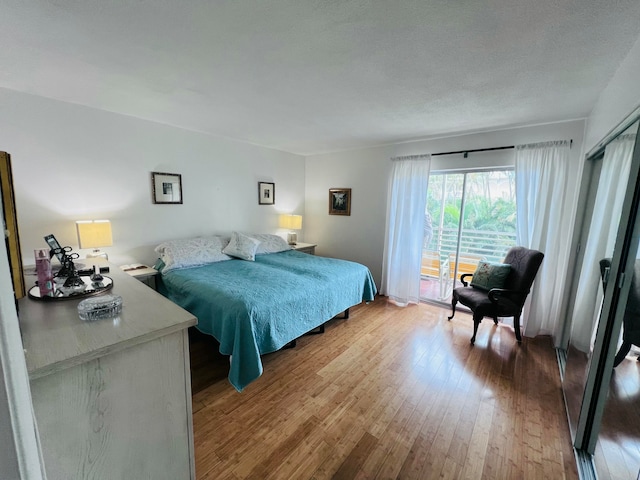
x=314 y=76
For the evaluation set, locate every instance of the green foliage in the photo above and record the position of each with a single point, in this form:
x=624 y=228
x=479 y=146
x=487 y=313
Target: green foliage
x=489 y=223
x=489 y=205
x=482 y=214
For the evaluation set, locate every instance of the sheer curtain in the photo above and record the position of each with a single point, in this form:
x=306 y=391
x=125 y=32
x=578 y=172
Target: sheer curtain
x=405 y=229
x=543 y=214
x=612 y=184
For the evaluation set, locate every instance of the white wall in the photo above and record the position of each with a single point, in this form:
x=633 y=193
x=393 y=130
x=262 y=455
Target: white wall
x=360 y=237
x=617 y=100
x=74 y=163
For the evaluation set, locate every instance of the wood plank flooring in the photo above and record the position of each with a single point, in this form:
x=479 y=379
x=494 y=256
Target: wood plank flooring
x=617 y=452
x=390 y=393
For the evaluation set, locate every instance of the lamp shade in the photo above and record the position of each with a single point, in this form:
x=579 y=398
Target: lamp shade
x=291 y=222
x=94 y=233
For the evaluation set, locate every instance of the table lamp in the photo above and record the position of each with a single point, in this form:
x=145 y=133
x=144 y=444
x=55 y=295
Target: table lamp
x=291 y=222
x=94 y=234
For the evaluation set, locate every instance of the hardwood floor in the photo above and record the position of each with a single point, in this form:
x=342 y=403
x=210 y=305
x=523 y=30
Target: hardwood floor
x=617 y=452
x=390 y=393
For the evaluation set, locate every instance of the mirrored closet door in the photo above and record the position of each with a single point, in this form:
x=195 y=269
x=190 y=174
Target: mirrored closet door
x=602 y=288
x=617 y=445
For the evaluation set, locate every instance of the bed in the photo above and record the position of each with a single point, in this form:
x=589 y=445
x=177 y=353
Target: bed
x=258 y=304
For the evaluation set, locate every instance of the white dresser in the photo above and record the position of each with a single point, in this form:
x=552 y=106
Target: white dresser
x=112 y=398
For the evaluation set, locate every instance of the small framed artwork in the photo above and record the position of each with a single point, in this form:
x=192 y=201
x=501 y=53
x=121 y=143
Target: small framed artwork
x=340 y=201
x=166 y=187
x=266 y=193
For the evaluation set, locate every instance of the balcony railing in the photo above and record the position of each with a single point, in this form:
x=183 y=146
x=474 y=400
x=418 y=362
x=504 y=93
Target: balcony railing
x=439 y=257
x=489 y=244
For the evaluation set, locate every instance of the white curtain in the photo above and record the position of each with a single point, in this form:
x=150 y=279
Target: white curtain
x=612 y=184
x=407 y=201
x=543 y=219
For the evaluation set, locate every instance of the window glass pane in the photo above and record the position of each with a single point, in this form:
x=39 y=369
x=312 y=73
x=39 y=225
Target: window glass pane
x=488 y=229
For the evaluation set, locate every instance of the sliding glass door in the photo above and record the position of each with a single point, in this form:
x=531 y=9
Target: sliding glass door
x=470 y=216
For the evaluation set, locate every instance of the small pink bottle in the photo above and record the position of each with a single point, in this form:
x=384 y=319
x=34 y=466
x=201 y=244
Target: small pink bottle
x=43 y=270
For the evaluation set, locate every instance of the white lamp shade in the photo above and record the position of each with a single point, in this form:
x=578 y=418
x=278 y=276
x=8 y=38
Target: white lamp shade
x=94 y=233
x=291 y=222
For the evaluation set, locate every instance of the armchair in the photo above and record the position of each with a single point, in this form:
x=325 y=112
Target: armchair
x=501 y=302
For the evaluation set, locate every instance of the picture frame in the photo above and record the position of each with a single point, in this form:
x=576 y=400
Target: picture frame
x=266 y=193
x=166 y=188
x=10 y=223
x=340 y=201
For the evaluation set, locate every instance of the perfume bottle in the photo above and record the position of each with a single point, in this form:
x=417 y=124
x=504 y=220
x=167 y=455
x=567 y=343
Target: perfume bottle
x=43 y=270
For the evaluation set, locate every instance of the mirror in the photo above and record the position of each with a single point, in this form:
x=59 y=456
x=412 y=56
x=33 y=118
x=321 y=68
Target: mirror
x=617 y=447
x=598 y=297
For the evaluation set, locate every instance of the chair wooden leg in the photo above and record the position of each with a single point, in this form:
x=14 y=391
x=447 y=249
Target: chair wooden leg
x=516 y=327
x=476 y=322
x=624 y=349
x=495 y=320
x=454 y=301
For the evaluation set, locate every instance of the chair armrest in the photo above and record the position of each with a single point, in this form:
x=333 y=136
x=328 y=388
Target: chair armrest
x=496 y=293
x=463 y=276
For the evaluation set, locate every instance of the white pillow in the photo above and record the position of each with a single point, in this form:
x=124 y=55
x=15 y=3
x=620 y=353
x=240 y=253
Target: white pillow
x=241 y=246
x=191 y=252
x=269 y=243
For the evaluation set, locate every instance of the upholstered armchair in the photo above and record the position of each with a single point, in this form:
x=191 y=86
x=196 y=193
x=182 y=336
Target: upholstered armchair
x=486 y=300
x=631 y=320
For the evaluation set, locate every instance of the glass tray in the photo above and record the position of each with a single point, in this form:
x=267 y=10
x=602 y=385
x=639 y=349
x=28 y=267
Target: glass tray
x=98 y=308
x=92 y=288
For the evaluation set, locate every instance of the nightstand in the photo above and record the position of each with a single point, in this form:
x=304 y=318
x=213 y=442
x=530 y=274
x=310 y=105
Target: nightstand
x=146 y=275
x=309 y=248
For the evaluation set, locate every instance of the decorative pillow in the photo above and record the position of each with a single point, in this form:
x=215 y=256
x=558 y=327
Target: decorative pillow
x=191 y=252
x=269 y=243
x=241 y=246
x=490 y=275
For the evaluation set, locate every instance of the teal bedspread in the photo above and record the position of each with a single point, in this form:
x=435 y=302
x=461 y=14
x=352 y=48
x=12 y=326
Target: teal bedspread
x=253 y=308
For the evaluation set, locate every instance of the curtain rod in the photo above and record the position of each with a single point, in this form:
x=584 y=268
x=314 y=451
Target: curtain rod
x=466 y=152
x=473 y=151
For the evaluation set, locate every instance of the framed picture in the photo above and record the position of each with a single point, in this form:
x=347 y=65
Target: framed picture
x=12 y=239
x=266 y=193
x=340 y=201
x=166 y=187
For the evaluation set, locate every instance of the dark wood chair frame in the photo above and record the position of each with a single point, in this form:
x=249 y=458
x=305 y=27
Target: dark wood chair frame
x=502 y=302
